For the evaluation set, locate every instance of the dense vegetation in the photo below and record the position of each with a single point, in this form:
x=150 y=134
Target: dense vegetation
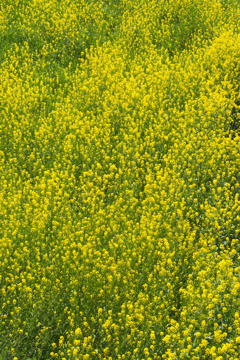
x=120 y=182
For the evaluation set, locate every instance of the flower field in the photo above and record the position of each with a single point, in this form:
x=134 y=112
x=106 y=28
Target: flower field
x=119 y=179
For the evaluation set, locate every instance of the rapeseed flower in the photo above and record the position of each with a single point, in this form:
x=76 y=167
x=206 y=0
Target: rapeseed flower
x=119 y=168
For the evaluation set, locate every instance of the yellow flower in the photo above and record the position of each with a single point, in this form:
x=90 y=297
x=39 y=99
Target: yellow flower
x=78 y=332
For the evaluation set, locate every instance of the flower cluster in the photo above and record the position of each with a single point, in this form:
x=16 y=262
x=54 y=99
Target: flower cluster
x=119 y=172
